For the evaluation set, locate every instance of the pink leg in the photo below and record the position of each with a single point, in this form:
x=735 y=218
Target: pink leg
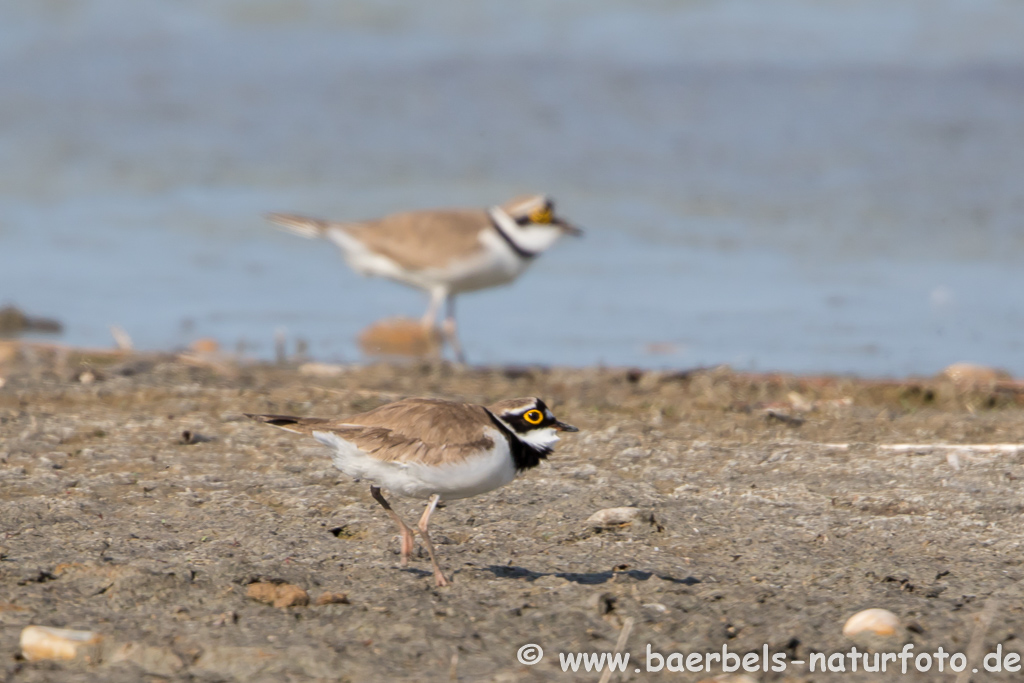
x=437 y=299
x=451 y=333
x=424 y=521
x=408 y=538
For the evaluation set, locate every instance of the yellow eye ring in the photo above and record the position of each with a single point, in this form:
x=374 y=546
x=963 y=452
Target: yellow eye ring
x=534 y=417
x=541 y=215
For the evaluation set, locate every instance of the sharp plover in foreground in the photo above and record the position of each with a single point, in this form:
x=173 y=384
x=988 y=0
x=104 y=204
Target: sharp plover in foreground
x=434 y=449
x=443 y=251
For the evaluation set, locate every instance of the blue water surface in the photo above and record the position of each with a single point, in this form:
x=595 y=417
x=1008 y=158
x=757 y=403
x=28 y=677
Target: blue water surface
x=793 y=185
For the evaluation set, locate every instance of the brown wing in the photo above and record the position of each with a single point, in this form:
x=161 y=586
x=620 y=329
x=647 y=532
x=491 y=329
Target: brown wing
x=422 y=430
x=423 y=239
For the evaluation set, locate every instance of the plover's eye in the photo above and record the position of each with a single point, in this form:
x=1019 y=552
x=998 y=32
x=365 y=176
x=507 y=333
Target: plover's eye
x=541 y=215
x=534 y=417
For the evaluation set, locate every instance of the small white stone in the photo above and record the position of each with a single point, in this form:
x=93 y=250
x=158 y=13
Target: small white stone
x=874 y=621
x=45 y=642
x=616 y=516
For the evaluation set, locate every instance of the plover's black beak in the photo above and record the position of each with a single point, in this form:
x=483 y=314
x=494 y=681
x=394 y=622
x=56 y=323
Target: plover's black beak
x=568 y=228
x=563 y=427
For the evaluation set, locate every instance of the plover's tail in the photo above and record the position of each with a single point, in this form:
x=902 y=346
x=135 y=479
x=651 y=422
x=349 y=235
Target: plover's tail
x=298 y=425
x=302 y=226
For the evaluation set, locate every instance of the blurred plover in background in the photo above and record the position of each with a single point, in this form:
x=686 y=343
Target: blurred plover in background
x=434 y=449
x=443 y=251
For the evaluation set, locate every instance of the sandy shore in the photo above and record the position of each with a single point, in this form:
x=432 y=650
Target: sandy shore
x=136 y=501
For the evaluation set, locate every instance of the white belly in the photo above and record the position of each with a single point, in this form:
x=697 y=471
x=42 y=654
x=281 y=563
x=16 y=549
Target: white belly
x=495 y=265
x=473 y=476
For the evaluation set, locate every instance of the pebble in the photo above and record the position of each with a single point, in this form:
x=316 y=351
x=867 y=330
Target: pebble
x=617 y=516
x=399 y=337
x=333 y=599
x=204 y=345
x=874 y=621
x=46 y=642
x=223 y=619
x=636 y=452
x=277 y=594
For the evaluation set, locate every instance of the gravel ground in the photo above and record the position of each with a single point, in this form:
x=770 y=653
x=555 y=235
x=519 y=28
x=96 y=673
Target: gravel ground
x=136 y=501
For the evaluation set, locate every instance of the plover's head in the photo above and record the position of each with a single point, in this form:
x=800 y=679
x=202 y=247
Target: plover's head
x=534 y=222
x=531 y=420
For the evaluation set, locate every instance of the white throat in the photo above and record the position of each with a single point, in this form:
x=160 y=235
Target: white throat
x=541 y=438
x=533 y=238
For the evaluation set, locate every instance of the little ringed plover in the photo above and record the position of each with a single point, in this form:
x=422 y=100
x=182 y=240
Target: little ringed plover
x=433 y=449
x=443 y=251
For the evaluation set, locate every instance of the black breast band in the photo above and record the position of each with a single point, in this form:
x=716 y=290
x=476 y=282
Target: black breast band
x=523 y=253
x=524 y=454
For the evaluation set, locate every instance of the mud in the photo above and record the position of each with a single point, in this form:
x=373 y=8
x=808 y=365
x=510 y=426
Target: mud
x=136 y=501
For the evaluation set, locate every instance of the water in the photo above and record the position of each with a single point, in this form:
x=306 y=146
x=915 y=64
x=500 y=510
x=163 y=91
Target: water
x=800 y=186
